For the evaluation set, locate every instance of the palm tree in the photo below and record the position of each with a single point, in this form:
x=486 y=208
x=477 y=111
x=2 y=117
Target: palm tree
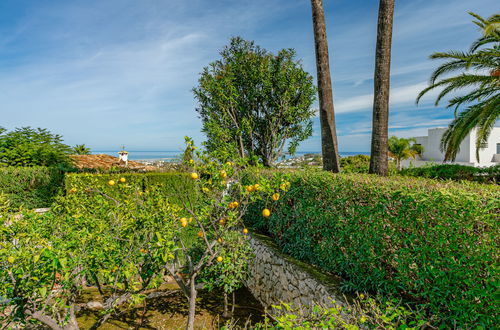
x=329 y=145
x=479 y=75
x=379 y=148
x=81 y=149
x=401 y=148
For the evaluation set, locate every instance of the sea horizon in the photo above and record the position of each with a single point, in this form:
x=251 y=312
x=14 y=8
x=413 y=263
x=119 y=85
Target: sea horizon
x=171 y=155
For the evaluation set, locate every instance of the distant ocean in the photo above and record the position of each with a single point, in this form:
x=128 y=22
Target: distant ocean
x=170 y=155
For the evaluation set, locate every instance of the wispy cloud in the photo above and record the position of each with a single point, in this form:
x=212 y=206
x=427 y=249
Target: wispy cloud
x=115 y=72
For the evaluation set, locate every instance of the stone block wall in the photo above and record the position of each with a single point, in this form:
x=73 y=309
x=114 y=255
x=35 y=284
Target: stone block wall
x=275 y=278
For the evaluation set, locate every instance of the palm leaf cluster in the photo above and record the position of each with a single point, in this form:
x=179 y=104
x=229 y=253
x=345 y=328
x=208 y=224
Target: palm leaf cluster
x=401 y=148
x=479 y=76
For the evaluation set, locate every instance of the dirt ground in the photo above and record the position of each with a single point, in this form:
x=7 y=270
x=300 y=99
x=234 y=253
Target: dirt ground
x=170 y=312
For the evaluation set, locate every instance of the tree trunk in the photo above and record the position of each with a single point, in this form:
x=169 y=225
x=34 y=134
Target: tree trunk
x=234 y=303
x=192 y=304
x=379 y=148
x=226 y=307
x=329 y=146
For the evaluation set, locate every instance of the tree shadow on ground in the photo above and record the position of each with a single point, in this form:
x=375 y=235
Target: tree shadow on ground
x=170 y=312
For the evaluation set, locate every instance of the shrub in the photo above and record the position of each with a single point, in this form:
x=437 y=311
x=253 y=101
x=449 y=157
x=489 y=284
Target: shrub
x=433 y=243
x=31 y=187
x=362 y=312
x=171 y=183
x=456 y=172
x=360 y=164
x=118 y=244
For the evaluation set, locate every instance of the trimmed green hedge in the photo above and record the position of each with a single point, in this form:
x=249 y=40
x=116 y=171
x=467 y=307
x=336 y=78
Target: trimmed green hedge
x=433 y=243
x=31 y=187
x=173 y=184
x=456 y=172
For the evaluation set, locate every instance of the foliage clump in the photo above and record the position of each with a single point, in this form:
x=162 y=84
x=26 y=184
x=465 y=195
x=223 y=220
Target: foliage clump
x=254 y=103
x=31 y=187
x=456 y=172
x=28 y=146
x=476 y=84
x=362 y=312
x=433 y=243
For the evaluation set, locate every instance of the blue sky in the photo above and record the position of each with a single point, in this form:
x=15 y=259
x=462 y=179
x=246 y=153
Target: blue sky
x=120 y=72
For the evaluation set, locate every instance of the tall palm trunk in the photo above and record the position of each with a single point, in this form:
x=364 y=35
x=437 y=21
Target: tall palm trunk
x=379 y=148
x=329 y=146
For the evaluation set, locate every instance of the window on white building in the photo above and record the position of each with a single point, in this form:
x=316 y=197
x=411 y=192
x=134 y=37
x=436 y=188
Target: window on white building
x=498 y=148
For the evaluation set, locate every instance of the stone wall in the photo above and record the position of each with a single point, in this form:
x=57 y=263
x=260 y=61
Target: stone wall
x=276 y=277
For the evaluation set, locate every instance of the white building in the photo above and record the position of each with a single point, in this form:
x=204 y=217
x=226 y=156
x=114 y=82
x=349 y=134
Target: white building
x=489 y=154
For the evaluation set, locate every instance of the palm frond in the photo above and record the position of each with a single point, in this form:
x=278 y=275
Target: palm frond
x=487 y=120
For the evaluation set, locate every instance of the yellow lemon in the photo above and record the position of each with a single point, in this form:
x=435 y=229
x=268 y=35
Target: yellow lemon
x=72 y=190
x=245 y=231
x=219 y=259
x=194 y=175
x=223 y=174
x=219 y=240
x=111 y=182
x=200 y=234
x=222 y=221
x=191 y=161
x=266 y=212
x=256 y=187
x=123 y=180
x=276 y=196
x=233 y=205
x=250 y=188
x=11 y=259
x=205 y=189
x=229 y=164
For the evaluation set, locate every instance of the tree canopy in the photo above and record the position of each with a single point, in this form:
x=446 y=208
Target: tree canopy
x=254 y=103
x=28 y=146
x=401 y=148
x=81 y=149
x=479 y=76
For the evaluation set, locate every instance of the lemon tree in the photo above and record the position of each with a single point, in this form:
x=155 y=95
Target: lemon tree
x=211 y=237
x=110 y=236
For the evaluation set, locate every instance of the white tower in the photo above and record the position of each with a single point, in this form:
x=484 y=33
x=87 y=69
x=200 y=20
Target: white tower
x=123 y=156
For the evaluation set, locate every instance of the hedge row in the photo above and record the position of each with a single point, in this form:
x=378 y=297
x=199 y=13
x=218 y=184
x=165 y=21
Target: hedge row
x=173 y=184
x=456 y=172
x=31 y=187
x=433 y=243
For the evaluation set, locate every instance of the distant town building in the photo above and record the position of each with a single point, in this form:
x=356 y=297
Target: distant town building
x=489 y=153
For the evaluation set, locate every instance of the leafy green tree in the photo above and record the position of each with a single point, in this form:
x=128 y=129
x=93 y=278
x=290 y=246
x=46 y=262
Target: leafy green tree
x=28 y=146
x=401 y=148
x=81 y=149
x=112 y=236
x=479 y=76
x=254 y=103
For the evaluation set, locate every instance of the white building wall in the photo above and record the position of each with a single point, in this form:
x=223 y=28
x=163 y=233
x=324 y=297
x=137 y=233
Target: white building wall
x=467 y=154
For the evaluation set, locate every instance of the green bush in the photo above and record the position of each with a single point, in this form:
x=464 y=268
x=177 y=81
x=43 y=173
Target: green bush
x=360 y=164
x=456 y=172
x=31 y=187
x=173 y=184
x=431 y=242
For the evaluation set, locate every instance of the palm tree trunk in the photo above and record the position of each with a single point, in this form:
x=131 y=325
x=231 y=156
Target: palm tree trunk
x=329 y=145
x=379 y=149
